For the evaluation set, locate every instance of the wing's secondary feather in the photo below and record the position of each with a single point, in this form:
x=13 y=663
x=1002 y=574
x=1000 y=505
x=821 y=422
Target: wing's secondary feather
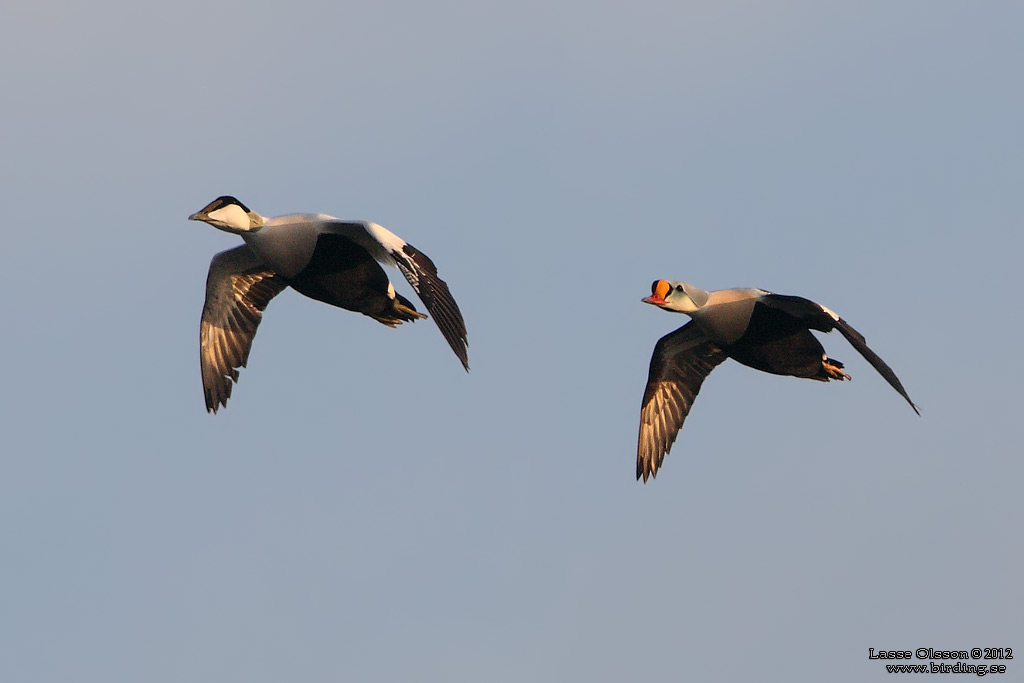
x=679 y=365
x=238 y=290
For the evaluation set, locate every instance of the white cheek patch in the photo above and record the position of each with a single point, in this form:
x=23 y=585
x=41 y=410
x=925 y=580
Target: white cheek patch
x=830 y=312
x=681 y=302
x=232 y=216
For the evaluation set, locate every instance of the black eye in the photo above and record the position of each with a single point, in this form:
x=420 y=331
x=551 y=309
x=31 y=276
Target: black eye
x=679 y=288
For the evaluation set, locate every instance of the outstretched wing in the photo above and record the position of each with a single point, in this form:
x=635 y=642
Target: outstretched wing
x=238 y=289
x=818 y=317
x=387 y=247
x=856 y=340
x=681 y=361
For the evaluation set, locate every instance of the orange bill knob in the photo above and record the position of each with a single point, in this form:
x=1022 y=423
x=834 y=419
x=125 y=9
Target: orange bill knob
x=659 y=289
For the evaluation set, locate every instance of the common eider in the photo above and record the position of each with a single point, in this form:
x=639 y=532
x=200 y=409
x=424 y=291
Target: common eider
x=322 y=257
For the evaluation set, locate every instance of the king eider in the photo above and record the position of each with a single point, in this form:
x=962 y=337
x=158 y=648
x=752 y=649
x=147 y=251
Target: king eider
x=764 y=331
x=324 y=258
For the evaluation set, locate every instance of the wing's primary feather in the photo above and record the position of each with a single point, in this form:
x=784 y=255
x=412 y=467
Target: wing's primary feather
x=420 y=271
x=858 y=342
x=817 y=317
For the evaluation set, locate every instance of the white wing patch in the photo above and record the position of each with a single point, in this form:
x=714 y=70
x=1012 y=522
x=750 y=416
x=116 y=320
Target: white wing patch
x=388 y=248
x=385 y=237
x=830 y=312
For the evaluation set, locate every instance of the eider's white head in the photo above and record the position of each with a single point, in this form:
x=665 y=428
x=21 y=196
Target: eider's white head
x=679 y=297
x=230 y=215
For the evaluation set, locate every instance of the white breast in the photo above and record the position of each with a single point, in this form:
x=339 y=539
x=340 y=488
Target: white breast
x=286 y=243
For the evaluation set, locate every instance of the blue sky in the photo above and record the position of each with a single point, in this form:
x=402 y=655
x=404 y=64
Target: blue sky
x=363 y=509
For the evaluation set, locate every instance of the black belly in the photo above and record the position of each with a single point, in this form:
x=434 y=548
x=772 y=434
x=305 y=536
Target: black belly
x=778 y=343
x=341 y=273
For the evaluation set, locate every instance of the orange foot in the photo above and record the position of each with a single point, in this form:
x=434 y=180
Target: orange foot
x=834 y=369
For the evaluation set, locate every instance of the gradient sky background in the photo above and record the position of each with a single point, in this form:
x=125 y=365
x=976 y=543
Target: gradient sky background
x=364 y=510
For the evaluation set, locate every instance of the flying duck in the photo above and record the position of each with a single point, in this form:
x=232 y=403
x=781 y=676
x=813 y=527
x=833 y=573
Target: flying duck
x=764 y=331
x=324 y=258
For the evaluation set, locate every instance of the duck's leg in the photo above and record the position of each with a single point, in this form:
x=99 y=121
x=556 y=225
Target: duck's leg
x=833 y=368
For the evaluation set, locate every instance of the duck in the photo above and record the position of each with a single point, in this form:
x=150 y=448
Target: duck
x=324 y=258
x=757 y=328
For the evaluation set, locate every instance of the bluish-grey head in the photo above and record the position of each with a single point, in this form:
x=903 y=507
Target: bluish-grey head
x=230 y=215
x=680 y=297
